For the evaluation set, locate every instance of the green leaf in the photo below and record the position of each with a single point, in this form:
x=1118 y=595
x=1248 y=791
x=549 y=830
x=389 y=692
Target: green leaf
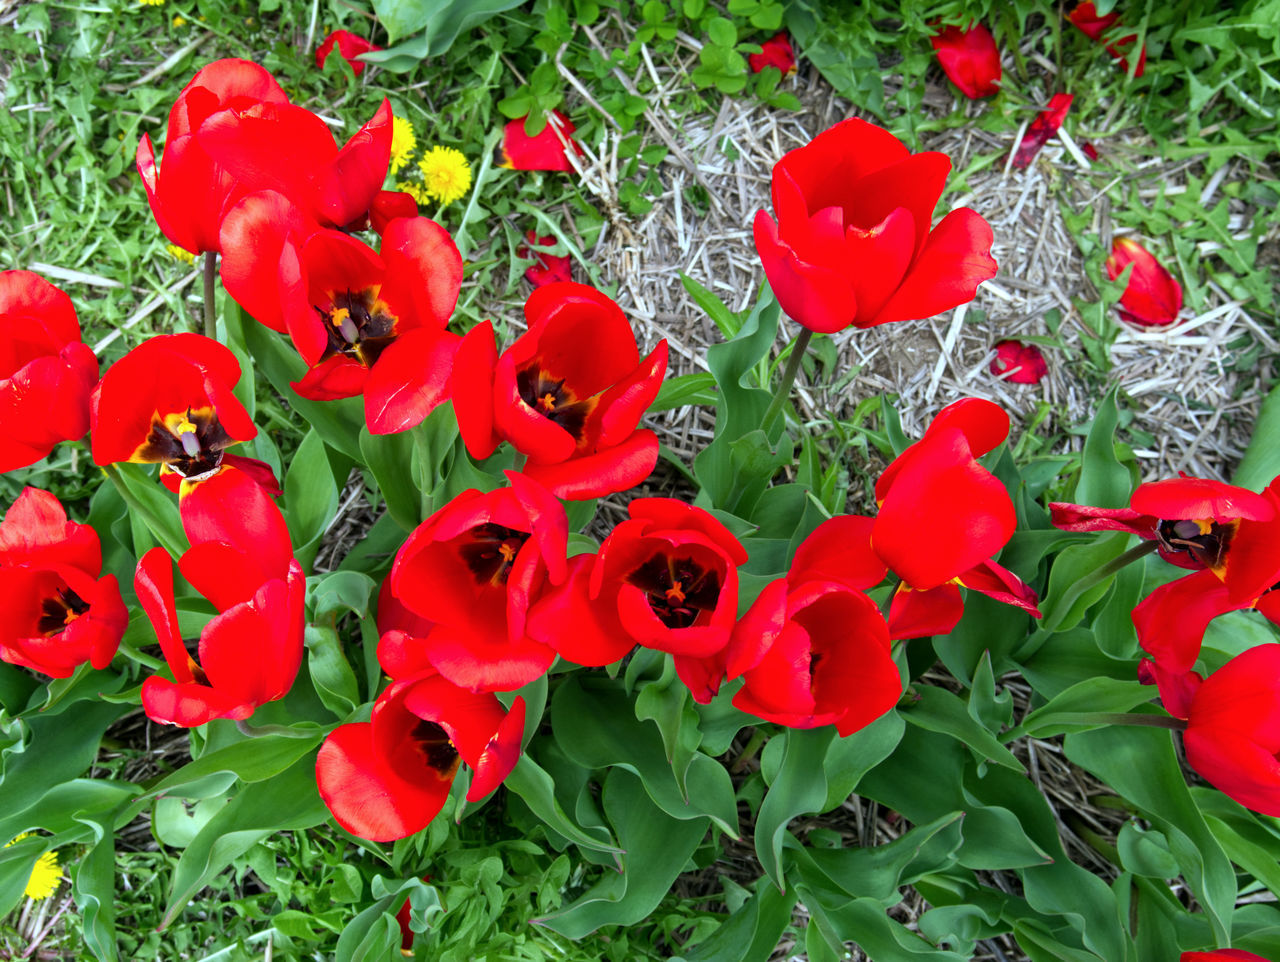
x=1104 y=482
x=251 y=760
x=1140 y=764
x=851 y=757
x=800 y=787
x=939 y=710
x=93 y=881
x=750 y=933
x=1065 y=604
x=536 y=788
x=286 y=802
x=881 y=938
x=656 y=849
x=695 y=388
x=725 y=319
x=310 y=497
x=390 y=459
x=151 y=504
x=1145 y=852
x=444 y=20
x=341 y=591
x=331 y=674
x=668 y=704
x=1261 y=461
x=57 y=749
x=597 y=729
x=1065 y=712
x=374 y=935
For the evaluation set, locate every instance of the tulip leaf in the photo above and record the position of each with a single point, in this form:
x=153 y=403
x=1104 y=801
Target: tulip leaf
x=286 y=802
x=331 y=674
x=1071 y=709
x=151 y=505
x=1069 y=595
x=1140 y=763
x=374 y=934
x=1145 y=852
x=752 y=931
x=250 y=760
x=1113 y=623
x=389 y=457
x=341 y=591
x=1261 y=461
x=656 y=849
x=851 y=757
x=799 y=787
x=695 y=388
x=93 y=882
x=443 y=21
x=535 y=787
x=310 y=497
x=939 y=710
x=1104 y=482
x=596 y=730
x=725 y=319
x=865 y=921
x=667 y=703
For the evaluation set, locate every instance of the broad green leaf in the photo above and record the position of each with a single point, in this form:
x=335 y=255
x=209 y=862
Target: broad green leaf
x=286 y=802
x=597 y=728
x=250 y=760
x=1071 y=710
x=93 y=880
x=1066 y=601
x=725 y=319
x=865 y=922
x=942 y=711
x=1145 y=852
x=536 y=789
x=390 y=457
x=152 y=505
x=1104 y=482
x=749 y=934
x=1113 y=622
x=696 y=388
x=1068 y=658
x=58 y=749
x=668 y=704
x=310 y=497
x=443 y=21
x=334 y=681
x=341 y=591
x=799 y=788
x=851 y=757
x=656 y=849
x=1141 y=765
x=1261 y=461
x=374 y=935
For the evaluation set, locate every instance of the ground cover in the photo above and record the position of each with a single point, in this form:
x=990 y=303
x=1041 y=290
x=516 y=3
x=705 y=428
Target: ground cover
x=678 y=140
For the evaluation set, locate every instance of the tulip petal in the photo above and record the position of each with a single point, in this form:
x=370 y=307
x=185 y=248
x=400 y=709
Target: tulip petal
x=616 y=468
x=919 y=614
x=815 y=297
x=409 y=379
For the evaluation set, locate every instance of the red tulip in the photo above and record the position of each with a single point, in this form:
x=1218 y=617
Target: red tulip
x=170 y=401
x=546 y=268
x=350 y=47
x=568 y=393
x=1152 y=297
x=55 y=612
x=813 y=648
x=249 y=653
x=666 y=579
x=365 y=323
x=548 y=150
x=774 y=52
x=46 y=373
x=389 y=777
x=1047 y=123
x=852 y=243
x=473 y=569
x=1233 y=730
x=232 y=131
x=1085 y=18
x=970 y=59
x=942 y=516
x=1019 y=363
x=1221 y=955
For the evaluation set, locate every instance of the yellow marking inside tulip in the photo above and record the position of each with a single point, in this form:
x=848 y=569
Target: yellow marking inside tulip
x=508 y=553
x=675 y=593
x=547 y=402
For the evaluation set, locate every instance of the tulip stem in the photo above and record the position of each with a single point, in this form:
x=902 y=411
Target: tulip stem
x=257 y=731
x=780 y=396
x=748 y=752
x=210 y=314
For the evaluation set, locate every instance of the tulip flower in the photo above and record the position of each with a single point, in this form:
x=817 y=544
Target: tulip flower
x=170 y=401
x=774 y=52
x=1152 y=297
x=568 y=393
x=1019 y=363
x=365 y=323
x=46 y=372
x=666 y=579
x=852 y=243
x=1233 y=729
x=249 y=653
x=1084 y=17
x=970 y=59
x=232 y=131
x=546 y=268
x=473 y=569
x=942 y=516
x=813 y=649
x=1221 y=955
x=1047 y=123
x=387 y=778
x=350 y=46
x=547 y=150
x=55 y=612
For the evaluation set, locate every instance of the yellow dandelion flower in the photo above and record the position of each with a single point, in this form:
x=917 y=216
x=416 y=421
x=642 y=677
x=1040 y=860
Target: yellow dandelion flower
x=403 y=143
x=415 y=190
x=152 y=3
x=179 y=21
x=181 y=253
x=445 y=173
x=45 y=874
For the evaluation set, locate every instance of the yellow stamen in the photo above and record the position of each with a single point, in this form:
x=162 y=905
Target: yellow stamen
x=676 y=593
x=547 y=402
x=508 y=553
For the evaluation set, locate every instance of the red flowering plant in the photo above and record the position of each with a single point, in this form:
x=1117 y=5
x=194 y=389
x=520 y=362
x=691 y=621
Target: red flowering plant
x=813 y=611
x=46 y=372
